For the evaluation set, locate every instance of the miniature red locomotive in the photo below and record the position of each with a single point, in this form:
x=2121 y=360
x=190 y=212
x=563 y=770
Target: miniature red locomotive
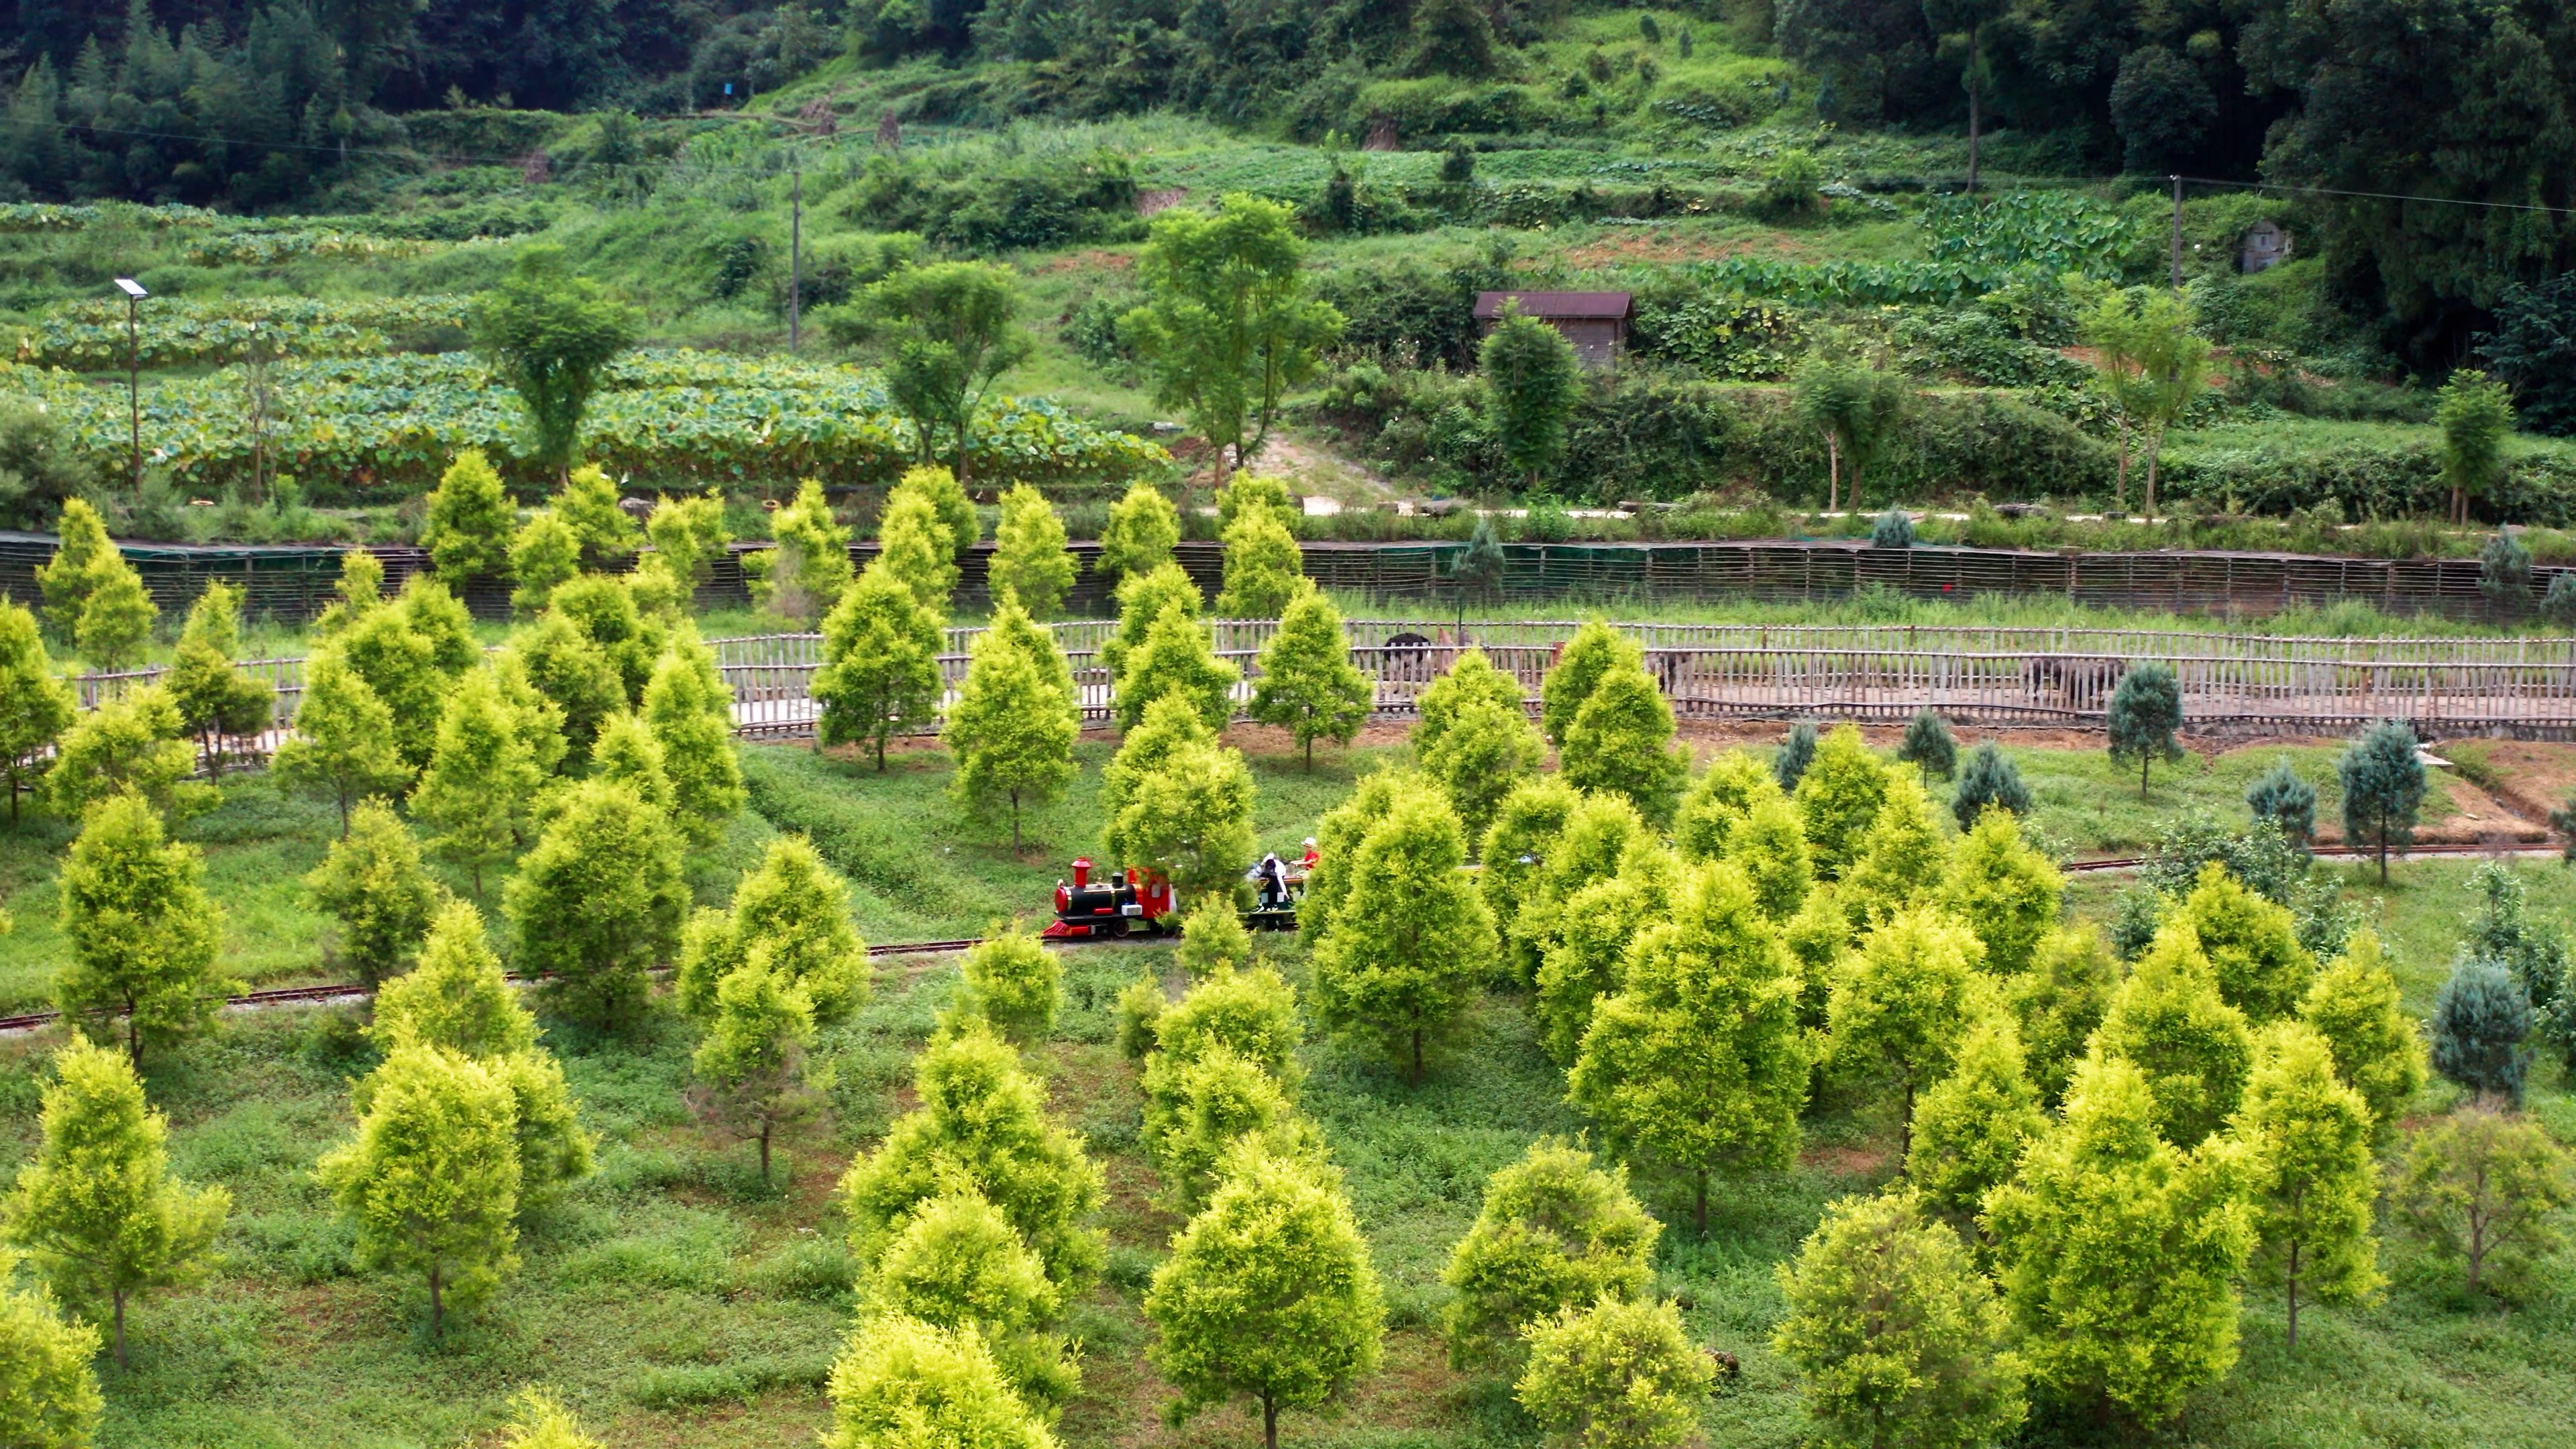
x=1141 y=901
x=1122 y=903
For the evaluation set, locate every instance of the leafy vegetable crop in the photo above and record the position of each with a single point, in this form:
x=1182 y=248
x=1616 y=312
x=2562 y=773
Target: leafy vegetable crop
x=390 y=424
x=91 y=334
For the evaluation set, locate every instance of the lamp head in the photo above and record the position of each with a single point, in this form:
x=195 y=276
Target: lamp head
x=131 y=288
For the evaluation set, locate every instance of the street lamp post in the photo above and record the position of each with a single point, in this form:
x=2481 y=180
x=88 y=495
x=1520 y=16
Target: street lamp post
x=134 y=295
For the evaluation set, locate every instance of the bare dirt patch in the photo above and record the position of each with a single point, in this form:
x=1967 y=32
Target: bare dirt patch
x=2533 y=777
x=1658 y=246
x=1088 y=261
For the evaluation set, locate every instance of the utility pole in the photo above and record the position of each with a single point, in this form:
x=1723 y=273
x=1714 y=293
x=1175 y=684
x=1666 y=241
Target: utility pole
x=2177 y=231
x=134 y=295
x=796 y=258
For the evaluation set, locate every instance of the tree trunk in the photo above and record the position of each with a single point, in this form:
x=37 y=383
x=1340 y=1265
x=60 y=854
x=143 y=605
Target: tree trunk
x=1269 y=1421
x=1976 y=113
x=1833 y=473
x=437 y=1306
x=344 y=812
x=2294 y=1297
x=133 y=1037
x=1310 y=754
x=1015 y=823
x=1905 y=1129
x=2383 y=865
x=2155 y=453
x=2120 y=488
x=881 y=744
x=2144 y=760
x=120 y=1328
x=764 y=1152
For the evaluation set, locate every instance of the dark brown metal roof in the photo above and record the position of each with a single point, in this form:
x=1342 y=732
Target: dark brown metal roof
x=1600 y=305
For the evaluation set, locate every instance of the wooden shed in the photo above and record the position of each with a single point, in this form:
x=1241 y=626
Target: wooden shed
x=1595 y=322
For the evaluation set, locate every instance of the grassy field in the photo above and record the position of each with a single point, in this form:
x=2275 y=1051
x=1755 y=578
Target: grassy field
x=676 y=1301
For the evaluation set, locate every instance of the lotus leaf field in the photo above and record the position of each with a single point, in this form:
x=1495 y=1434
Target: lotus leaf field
x=384 y=427
x=171 y=332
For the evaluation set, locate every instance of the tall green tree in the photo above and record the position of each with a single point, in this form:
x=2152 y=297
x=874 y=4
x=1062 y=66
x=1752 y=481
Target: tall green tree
x=2169 y=1021
x=1178 y=658
x=1029 y=558
x=2145 y=713
x=128 y=746
x=1696 y=1065
x=344 y=746
x=688 y=534
x=1015 y=984
x=1972 y=1126
x=371 y=881
x=97 y=1205
x=1190 y=817
x=1592 y=653
x=2060 y=1000
x=1859 y=410
x=2475 y=413
x=2378 y=1049
x=1268 y=1296
x=914 y=545
x=81 y=549
x=143 y=936
x=2382 y=774
x=1991 y=781
x=880 y=669
x=1621 y=742
x=2481 y=1024
x=1142 y=531
x=1616 y=1374
x=948 y=336
x=689 y=709
x=982 y=1125
x=959 y=1264
x=1012 y=729
x=588 y=505
x=36 y=706
x=2004 y=889
x=2482 y=1190
x=431 y=1180
x=751 y=1069
x=1217 y=1105
x=598 y=901
x=1226 y=328
x=1403 y=954
x=2112 y=330
x=470 y=521
x=1720 y=801
x=1307 y=684
x=480 y=789
x=545 y=554
x=2307 y=1136
x=1896 y=1336
x=116 y=614
x=216 y=701
x=902 y=1384
x=948 y=502
x=2252 y=944
x=1473 y=736
x=1263 y=568
x=550 y=336
x=1554 y=1232
x=1903 y=1002
x=804 y=574
x=2119 y=1252
x=49 y=1398
x=2173 y=370
x=791 y=914
x=1839 y=796
x=1532 y=383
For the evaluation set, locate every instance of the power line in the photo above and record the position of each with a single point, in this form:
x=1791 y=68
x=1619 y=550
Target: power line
x=2380 y=195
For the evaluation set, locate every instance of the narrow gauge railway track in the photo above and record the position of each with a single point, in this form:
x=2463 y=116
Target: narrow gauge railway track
x=355 y=991
x=352 y=990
